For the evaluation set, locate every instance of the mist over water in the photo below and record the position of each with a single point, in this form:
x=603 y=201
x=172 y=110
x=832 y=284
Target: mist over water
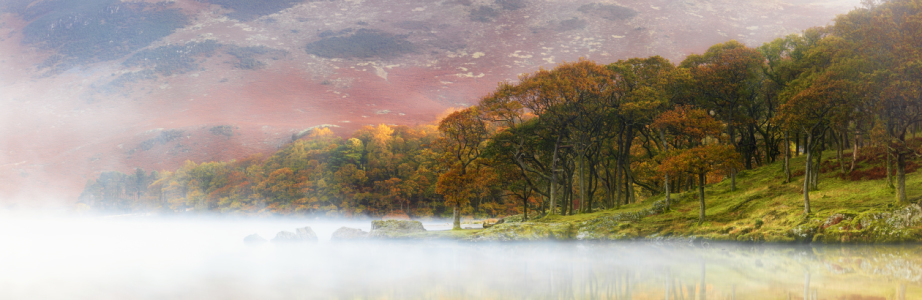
x=147 y=257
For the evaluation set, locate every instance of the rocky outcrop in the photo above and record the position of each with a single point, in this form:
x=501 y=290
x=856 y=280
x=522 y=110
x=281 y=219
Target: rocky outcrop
x=304 y=234
x=525 y=231
x=254 y=239
x=900 y=225
x=395 y=228
x=349 y=234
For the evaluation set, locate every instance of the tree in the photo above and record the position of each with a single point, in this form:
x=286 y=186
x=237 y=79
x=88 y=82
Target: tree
x=816 y=102
x=728 y=79
x=463 y=136
x=889 y=35
x=640 y=94
x=684 y=127
x=701 y=161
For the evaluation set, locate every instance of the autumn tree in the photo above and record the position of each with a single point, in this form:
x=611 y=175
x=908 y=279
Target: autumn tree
x=888 y=35
x=728 y=80
x=700 y=161
x=463 y=135
x=640 y=93
x=684 y=127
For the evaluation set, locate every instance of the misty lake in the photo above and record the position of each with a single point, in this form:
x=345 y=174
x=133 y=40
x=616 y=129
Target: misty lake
x=170 y=258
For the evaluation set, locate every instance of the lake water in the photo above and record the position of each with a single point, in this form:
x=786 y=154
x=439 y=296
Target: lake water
x=164 y=258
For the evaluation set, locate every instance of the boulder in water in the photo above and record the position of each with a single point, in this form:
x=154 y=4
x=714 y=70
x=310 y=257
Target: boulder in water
x=306 y=234
x=348 y=234
x=254 y=239
x=286 y=237
x=395 y=228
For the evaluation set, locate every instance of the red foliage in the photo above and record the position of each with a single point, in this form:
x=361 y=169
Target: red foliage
x=878 y=172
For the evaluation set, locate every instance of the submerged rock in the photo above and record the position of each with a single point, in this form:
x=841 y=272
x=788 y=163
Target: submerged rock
x=254 y=239
x=306 y=234
x=286 y=236
x=348 y=234
x=395 y=228
x=524 y=232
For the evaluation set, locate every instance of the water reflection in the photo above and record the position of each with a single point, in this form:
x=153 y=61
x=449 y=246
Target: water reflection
x=183 y=259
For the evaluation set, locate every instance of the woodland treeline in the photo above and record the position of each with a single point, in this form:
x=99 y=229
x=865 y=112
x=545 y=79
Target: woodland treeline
x=585 y=136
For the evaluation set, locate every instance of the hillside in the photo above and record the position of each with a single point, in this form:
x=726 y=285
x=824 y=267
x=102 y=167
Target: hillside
x=116 y=85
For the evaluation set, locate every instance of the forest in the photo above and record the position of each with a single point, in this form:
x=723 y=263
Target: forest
x=584 y=136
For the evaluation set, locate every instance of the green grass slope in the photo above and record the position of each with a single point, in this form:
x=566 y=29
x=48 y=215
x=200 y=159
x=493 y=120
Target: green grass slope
x=763 y=209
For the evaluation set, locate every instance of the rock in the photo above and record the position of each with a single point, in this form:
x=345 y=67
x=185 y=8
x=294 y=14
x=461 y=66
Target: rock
x=254 y=239
x=525 y=231
x=488 y=223
x=306 y=234
x=348 y=234
x=286 y=236
x=395 y=228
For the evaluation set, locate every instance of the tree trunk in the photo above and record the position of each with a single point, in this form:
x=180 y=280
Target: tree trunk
x=787 y=158
x=855 y=152
x=629 y=184
x=525 y=204
x=901 y=177
x=456 y=216
x=553 y=205
x=662 y=137
x=569 y=195
x=840 y=149
x=807 y=170
x=701 y=197
x=618 y=176
x=732 y=180
x=889 y=168
x=626 y=165
x=582 y=183
x=593 y=185
x=817 y=165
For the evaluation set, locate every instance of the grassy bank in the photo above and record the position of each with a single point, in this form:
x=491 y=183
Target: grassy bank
x=762 y=209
